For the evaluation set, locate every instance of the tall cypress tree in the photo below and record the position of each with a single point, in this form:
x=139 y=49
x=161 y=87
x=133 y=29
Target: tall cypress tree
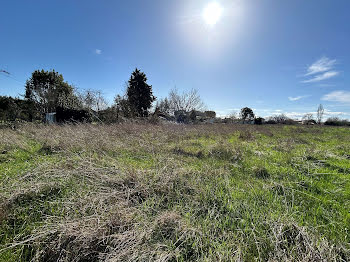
x=139 y=94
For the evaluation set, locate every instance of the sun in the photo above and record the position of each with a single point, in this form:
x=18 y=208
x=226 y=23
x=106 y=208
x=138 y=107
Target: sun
x=212 y=13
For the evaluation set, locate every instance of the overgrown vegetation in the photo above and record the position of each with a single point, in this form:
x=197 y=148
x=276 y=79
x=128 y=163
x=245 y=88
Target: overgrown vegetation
x=132 y=192
x=335 y=121
x=48 y=98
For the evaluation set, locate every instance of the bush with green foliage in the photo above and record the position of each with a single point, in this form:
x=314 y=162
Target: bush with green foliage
x=110 y=115
x=259 y=121
x=12 y=109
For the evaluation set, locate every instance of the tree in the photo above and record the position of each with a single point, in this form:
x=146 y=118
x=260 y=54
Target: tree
x=9 y=108
x=185 y=101
x=71 y=100
x=308 y=117
x=233 y=115
x=280 y=119
x=93 y=100
x=163 y=106
x=336 y=121
x=139 y=94
x=247 y=114
x=101 y=102
x=122 y=106
x=47 y=89
x=320 y=112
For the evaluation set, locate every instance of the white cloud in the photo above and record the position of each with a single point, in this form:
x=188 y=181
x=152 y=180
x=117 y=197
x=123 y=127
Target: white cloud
x=299 y=115
x=98 y=51
x=265 y=112
x=296 y=98
x=295 y=115
x=321 y=77
x=334 y=113
x=322 y=65
x=321 y=70
x=338 y=96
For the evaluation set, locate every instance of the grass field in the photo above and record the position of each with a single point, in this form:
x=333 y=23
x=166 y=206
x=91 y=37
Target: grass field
x=138 y=192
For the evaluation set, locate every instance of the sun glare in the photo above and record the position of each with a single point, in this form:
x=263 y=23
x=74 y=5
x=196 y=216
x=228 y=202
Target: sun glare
x=212 y=13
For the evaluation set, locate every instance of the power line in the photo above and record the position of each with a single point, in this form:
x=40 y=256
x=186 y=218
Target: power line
x=3 y=71
x=9 y=75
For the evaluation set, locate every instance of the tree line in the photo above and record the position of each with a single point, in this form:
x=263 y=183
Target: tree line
x=47 y=92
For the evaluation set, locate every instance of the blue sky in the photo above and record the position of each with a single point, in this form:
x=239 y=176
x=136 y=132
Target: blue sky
x=273 y=56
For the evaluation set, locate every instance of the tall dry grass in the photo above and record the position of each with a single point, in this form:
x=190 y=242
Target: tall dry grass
x=89 y=204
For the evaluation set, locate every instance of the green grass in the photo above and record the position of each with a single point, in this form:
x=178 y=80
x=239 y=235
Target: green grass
x=174 y=193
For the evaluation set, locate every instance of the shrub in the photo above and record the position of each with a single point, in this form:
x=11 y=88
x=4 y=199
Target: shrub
x=12 y=109
x=210 y=114
x=64 y=115
x=335 y=121
x=109 y=115
x=259 y=121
